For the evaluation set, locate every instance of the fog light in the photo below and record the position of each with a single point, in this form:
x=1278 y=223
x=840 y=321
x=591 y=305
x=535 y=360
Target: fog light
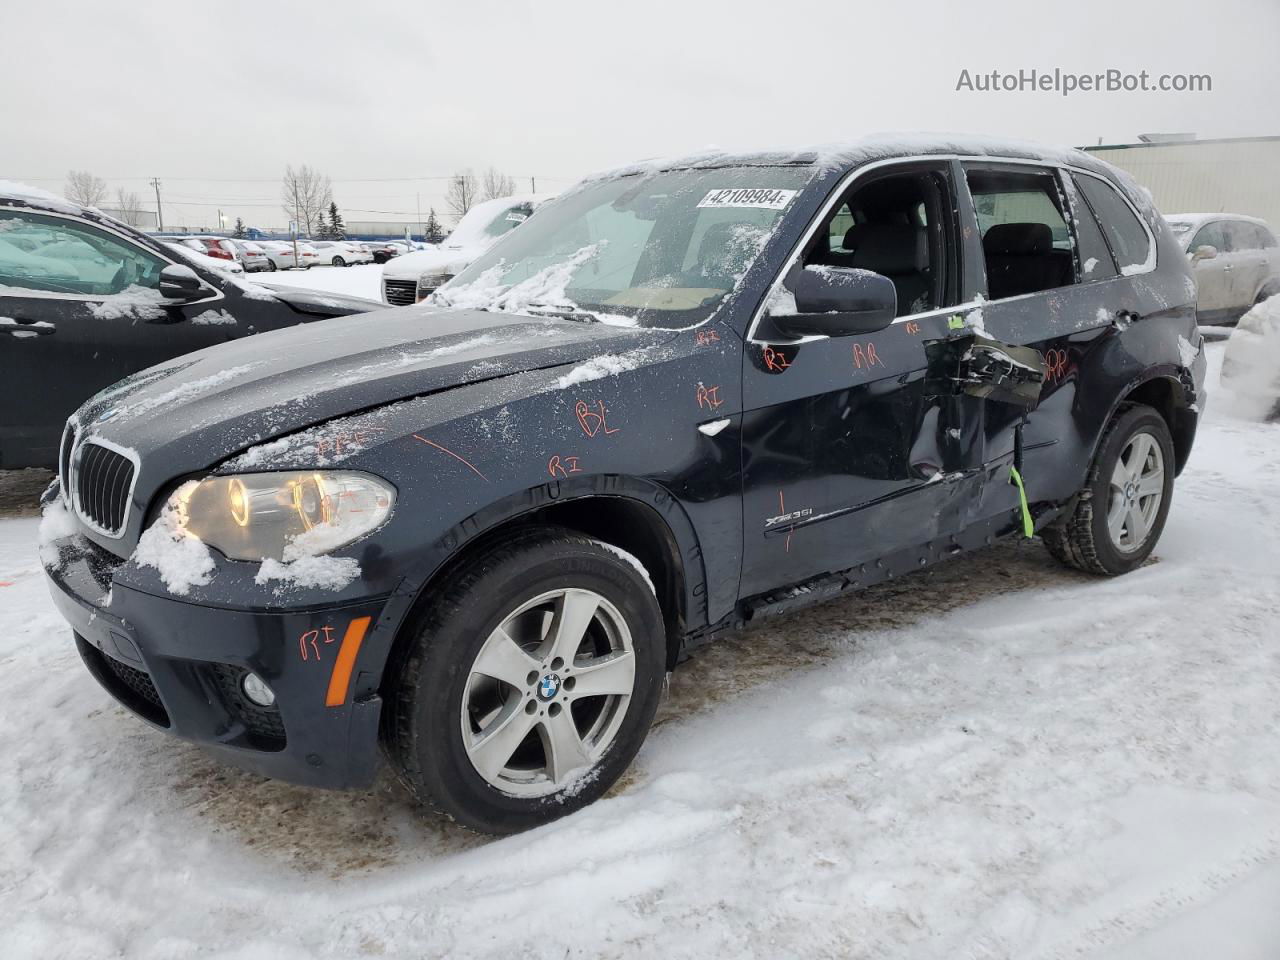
x=256 y=689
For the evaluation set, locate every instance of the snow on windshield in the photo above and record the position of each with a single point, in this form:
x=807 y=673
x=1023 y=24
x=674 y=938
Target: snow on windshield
x=660 y=250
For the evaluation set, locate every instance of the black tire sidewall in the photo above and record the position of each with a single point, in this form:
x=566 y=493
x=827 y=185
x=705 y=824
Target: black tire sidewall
x=439 y=755
x=1140 y=419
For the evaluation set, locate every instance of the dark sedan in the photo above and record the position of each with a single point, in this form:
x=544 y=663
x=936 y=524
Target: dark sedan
x=86 y=300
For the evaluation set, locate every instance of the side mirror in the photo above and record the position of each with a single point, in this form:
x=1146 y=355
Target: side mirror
x=180 y=283
x=837 y=302
x=1205 y=252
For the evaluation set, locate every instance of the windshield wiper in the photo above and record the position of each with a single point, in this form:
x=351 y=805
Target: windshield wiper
x=561 y=312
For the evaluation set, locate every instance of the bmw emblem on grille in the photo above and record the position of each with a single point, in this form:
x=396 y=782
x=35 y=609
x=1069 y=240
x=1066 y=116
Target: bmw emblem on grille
x=548 y=687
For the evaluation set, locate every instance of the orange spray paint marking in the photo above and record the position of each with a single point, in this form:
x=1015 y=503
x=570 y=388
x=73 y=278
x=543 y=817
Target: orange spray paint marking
x=559 y=466
x=1055 y=365
x=705 y=338
x=309 y=637
x=912 y=326
x=708 y=397
x=774 y=361
x=340 y=679
x=463 y=460
x=590 y=421
x=865 y=358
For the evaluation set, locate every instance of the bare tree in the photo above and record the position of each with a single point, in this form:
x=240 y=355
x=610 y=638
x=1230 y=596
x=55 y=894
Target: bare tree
x=462 y=194
x=497 y=184
x=85 y=189
x=129 y=207
x=304 y=195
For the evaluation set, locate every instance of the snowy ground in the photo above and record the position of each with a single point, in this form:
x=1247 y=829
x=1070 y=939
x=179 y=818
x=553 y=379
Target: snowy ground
x=362 y=280
x=998 y=758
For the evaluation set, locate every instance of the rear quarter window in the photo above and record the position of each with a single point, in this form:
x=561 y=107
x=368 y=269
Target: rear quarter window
x=1128 y=238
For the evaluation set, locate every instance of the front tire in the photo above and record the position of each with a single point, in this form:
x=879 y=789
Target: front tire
x=338 y=262
x=1118 y=518
x=529 y=685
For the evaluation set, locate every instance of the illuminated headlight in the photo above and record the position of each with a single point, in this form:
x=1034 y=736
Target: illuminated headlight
x=284 y=516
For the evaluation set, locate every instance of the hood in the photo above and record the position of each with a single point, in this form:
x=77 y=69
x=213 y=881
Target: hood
x=320 y=303
x=191 y=413
x=447 y=258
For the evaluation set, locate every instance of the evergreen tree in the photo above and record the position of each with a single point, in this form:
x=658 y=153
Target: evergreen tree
x=337 y=229
x=320 y=229
x=238 y=233
x=432 y=232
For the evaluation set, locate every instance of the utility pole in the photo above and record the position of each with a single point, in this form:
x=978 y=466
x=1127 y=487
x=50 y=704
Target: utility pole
x=533 y=184
x=418 y=199
x=159 y=214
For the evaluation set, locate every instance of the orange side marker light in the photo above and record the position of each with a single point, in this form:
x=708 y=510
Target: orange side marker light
x=340 y=679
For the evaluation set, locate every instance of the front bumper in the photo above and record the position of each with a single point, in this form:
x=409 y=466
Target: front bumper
x=179 y=666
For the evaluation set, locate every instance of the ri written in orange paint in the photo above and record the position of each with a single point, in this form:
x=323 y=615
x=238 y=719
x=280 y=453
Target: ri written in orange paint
x=340 y=679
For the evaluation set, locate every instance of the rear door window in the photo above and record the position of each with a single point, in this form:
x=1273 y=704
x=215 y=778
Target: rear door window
x=1243 y=236
x=1026 y=242
x=1128 y=238
x=1096 y=262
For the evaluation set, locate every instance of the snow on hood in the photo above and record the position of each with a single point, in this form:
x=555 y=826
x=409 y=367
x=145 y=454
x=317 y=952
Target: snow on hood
x=468 y=240
x=210 y=405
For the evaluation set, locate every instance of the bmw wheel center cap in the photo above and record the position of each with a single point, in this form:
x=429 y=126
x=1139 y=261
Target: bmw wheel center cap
x=548 y=687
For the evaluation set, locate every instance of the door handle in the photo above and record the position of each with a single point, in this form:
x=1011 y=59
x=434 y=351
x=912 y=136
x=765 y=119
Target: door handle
x=1227 y=268
x=21 y=329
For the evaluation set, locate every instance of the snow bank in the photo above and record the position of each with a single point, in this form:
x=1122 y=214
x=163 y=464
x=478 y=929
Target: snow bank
x=1251 y=366
x=181 y=560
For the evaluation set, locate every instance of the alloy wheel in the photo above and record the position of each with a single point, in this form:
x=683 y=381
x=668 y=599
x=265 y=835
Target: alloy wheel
x=548 y=692
x=1134 y=493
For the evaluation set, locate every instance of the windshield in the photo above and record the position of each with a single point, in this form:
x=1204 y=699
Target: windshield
x=661 y=250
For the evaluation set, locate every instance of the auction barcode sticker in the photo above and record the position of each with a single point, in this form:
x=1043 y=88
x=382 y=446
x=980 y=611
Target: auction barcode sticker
x=761 y=198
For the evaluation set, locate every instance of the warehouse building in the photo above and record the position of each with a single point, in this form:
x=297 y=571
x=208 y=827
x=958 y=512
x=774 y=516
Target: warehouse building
x=1186 y=175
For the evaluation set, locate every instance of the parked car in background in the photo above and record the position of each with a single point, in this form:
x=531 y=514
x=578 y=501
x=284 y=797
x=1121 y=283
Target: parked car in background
x=1234 y=258
x=340 y=253
x=251 y=256
x=220 y=248
x=194 y=252
x=685 y=397
x=415 y=276
x=281 y=254
x=384 y=250
x=88 y=300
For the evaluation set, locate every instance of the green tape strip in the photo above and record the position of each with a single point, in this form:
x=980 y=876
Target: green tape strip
x=955 y=322
x=1028 y=528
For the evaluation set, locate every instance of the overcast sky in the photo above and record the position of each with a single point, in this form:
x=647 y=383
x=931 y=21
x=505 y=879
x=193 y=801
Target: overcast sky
x=216 y=97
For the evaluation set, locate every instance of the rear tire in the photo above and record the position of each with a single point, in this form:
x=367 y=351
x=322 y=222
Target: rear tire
x=489 y=719
x=1120 y=513
x=338 y=262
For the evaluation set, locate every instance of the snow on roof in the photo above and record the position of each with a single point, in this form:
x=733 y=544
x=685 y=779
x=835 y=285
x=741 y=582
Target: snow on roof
x=12 y=190
x=841 y=154
x=1198 y=218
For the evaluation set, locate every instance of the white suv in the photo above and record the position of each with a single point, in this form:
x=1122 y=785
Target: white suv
x=1235 y=260
x=415 y=276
